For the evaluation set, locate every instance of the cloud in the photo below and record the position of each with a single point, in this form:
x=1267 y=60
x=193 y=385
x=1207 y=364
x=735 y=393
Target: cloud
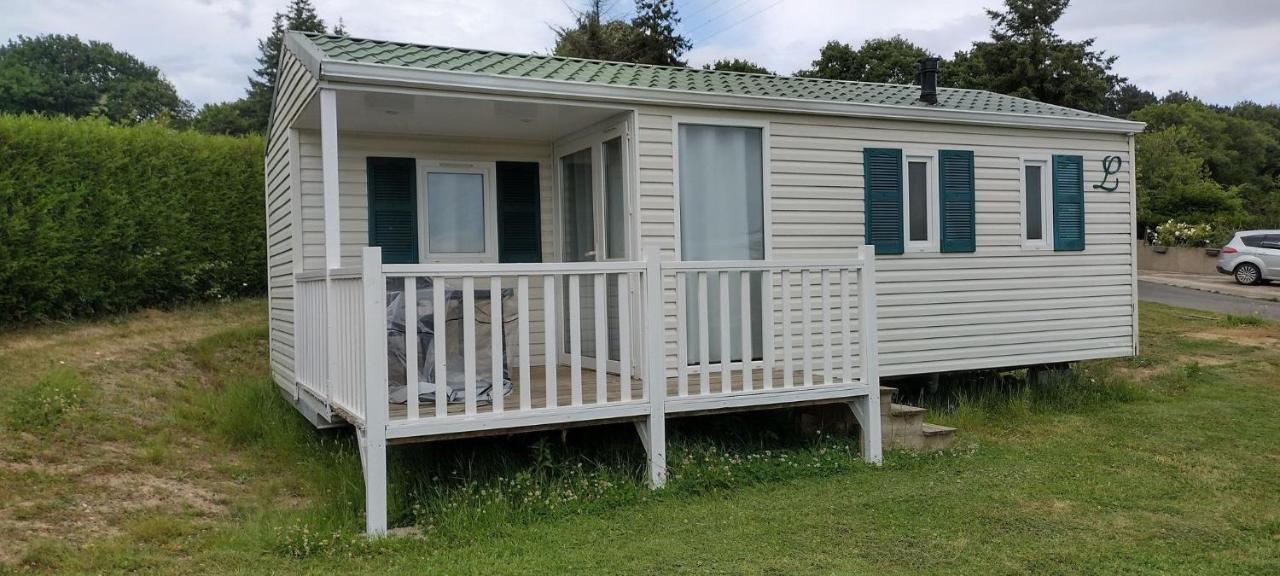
x=1217 y=50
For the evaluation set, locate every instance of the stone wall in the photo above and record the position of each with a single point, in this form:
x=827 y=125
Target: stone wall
x=1176 y=259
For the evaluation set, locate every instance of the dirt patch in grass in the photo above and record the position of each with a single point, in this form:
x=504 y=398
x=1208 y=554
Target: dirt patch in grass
x=1259 y=336
x=1209 y=360
x=131 y=491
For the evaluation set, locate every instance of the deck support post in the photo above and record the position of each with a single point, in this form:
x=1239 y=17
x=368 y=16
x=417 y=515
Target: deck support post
x=653 y=430
x=374 y=445
x=867 y=408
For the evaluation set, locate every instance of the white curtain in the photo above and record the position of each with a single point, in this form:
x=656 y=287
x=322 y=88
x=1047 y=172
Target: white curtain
x=455 y=213
x=721 y=218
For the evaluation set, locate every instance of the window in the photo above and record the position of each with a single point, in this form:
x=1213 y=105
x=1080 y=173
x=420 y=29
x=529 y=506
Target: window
x=1035 y=203
x=721 y=214
x=615 y=239
x=460 y=216
x=1253 y=241
x=920 y=213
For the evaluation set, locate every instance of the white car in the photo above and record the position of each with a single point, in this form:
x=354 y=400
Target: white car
x=1252 y=256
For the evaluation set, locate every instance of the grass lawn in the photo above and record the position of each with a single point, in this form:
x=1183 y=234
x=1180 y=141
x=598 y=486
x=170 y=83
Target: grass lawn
x=156 y=443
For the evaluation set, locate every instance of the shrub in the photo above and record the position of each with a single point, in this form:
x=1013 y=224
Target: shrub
x=1182 y=234
x=96 y=218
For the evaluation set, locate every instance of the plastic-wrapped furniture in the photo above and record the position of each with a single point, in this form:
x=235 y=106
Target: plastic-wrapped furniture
x=455 y=357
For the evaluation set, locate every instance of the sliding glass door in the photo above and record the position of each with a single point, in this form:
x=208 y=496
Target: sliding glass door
x=722 y=218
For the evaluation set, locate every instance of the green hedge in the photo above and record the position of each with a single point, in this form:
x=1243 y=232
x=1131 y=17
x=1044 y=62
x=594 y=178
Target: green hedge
x=98 y=218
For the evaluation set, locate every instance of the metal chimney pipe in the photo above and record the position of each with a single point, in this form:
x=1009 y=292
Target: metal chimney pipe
x=929 y=80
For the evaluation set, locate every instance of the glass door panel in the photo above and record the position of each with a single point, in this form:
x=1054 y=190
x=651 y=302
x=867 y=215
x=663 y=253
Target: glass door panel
x=578 y=217
x=721 y=218
x=615 y=228
x=593 y=208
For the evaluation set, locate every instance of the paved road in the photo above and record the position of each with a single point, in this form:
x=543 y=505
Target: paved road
x=1200 y=300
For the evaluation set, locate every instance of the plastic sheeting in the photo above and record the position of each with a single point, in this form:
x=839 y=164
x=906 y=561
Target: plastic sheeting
x=455 y=356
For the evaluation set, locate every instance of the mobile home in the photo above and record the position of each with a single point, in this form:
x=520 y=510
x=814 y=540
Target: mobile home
x=471 y=242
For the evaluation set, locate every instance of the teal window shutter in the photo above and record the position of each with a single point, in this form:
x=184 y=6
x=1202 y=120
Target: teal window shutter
x=393 y=208
x=882 y=182
x=956 y=201
x=1068 y=203
x=519 y=212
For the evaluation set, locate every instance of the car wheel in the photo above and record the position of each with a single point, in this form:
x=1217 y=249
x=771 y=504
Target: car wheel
x=1248 y=274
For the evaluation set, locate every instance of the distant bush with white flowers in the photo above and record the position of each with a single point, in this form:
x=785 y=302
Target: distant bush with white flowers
x=1173 y=233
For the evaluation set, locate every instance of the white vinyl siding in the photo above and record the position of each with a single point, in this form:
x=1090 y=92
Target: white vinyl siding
x=998 y=306
x=296 y=87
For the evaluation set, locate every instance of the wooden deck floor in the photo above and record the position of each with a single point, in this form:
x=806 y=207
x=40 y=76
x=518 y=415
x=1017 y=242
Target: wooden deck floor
x=564 y=389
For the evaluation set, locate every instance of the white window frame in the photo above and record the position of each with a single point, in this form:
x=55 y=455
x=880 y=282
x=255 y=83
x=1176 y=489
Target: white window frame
x=1046 y=202
x=487 y=171
x=930 y=158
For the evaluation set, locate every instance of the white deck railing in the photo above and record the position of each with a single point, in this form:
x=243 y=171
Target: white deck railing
x=589 y=341
x=814 y=339
x=545 y=305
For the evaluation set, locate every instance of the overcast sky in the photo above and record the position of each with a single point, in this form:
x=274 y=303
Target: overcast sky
x=1220 y=50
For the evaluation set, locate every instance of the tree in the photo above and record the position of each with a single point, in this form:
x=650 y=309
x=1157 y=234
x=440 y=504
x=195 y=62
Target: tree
x=1237 y=148
x=890 y=60
x=1026 y=58
x=656 y=40
x=737 y=65
x=649 y=38
x=1127 y=99
x=299 y=15
x=591 y=37
x=63 y=75
x=229 y=118
x=1174 y=183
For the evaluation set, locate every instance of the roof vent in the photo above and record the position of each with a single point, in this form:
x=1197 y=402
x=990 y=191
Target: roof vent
x=929 y=80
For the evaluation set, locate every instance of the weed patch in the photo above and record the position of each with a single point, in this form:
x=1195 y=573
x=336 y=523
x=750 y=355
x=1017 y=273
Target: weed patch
x=1237 y=320
x=59 y=396
x=974 y=398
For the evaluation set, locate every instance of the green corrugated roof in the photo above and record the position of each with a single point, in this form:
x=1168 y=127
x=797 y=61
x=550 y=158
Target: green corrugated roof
x=541 y=67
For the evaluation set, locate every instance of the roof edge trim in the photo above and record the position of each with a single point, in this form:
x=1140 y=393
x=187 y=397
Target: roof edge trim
x=387 y=74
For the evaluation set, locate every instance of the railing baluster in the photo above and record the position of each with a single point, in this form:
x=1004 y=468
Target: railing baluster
x=601 y=285
x=846 y=348
x=624 y=336
x=438 y=288
x=726 y=339
x=522 y=322
x=704 y=355
x=469 y=342
x=766 y=321
x=806 y=324
x=827 y=376
x=788 y=366
x=549 y=344
x=410 y=296
x=575 y=340
x=497 y=380
x=744 y=284
x=682 y=334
